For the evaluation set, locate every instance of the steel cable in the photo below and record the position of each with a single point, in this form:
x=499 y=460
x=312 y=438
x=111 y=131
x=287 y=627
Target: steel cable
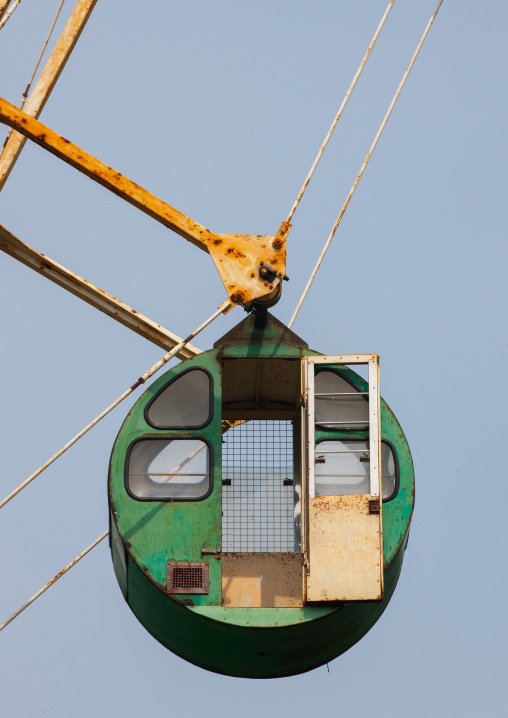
x=53 y=580
x=340 y=111
x=25 y=94
x=364 y=165
x=223 y=307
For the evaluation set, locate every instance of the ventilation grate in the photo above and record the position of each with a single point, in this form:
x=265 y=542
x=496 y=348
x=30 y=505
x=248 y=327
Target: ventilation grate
x=184 y=577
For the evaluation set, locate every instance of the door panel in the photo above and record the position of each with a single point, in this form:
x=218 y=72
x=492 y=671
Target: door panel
x=344 y=550
x=344 y=543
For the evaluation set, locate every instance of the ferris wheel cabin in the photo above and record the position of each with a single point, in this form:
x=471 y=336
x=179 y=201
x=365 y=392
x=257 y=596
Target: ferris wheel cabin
x=260 y=500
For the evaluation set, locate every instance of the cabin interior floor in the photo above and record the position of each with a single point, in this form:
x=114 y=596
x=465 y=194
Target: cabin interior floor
x=262 y=580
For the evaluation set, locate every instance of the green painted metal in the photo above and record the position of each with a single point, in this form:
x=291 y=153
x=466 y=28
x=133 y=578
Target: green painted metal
x=249 y=642
x=156 y=532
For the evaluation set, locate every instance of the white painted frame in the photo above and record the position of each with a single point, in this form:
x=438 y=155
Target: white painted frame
x=372 y=361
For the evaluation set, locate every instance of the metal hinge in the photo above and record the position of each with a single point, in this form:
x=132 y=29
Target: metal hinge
x=374 y=506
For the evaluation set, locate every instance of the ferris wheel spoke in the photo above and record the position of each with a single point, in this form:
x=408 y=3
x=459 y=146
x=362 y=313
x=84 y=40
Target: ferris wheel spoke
x=340 y=111
x=104 y=175
x=54 y=580
x=47 y=80
x=251 y=266
x=364 y=165
x=94 y=296
x=7 y=13
x=3 y=7
x=224 y=307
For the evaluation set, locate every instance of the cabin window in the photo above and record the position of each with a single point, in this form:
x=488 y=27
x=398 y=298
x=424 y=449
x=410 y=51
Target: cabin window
x=167 y=468
x=338 y=404
x=343 y=467
x=184 y=403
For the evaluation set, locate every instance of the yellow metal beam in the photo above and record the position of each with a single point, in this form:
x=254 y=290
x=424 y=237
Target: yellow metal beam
x=3 y=7
x=47 y=80
x=91 y=294
x=250 y=266
x=103 y=174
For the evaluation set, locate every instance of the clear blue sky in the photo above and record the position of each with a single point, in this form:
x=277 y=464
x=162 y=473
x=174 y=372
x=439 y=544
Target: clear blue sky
x=219 y=108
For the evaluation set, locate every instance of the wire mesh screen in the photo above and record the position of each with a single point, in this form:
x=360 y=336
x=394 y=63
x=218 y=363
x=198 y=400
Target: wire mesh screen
x=257 y=491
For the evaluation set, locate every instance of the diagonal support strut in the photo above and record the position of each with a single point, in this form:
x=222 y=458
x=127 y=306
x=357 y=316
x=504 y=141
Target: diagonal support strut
x=251 y=266
x=94 y=296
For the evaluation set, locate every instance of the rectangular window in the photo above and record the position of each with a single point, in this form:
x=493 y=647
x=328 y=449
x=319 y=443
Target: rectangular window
x=342 y=467
x=165 y=468
x=334 y=404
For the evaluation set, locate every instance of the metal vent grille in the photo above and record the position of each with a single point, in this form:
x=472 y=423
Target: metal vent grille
x=185 y=577
x=257 y=491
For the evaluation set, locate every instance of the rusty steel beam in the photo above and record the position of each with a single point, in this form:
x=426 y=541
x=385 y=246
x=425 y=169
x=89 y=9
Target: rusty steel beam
x=224 y=307
x=251 y=266
x=46 y=82
x=8 y=12
x=94 y=296
x=103 y=174
x=3 y=7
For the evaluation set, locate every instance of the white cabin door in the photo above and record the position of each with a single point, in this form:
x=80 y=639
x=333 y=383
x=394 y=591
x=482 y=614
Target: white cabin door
x=344 y=540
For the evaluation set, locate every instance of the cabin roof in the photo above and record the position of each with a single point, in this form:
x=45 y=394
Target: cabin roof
x=260 y=328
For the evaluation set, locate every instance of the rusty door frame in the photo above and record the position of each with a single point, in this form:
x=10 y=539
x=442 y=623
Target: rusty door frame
x=308 y=443
x=308 y=375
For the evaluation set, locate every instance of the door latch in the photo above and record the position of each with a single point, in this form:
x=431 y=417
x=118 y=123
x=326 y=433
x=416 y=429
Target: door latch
x=215 y=552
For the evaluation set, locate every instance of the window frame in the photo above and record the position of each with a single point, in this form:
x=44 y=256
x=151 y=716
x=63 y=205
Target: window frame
x=365 y=395
x=166 y=386
x=172 y=437
x=310 y=364
x=348 y=437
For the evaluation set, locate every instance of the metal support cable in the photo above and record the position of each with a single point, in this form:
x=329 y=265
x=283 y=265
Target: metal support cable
x=46 y=81
x=223 y=308
x=9 y=12
x=25 y=94
x=53 y=580
x=364 y=165
x=340 y=111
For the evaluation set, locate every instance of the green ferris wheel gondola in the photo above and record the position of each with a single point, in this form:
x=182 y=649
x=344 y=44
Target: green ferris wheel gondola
x=231 y=547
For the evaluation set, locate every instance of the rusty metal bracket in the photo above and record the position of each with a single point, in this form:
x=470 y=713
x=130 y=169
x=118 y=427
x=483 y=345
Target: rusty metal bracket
x=239 y=258
x=374 y=506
